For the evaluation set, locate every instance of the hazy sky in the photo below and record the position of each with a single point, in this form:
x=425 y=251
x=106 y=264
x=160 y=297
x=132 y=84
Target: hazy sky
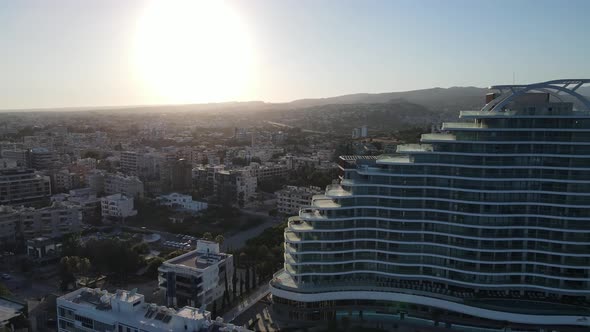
x=83 y=53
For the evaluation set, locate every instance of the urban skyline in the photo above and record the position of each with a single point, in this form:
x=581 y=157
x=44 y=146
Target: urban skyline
x=142 y=52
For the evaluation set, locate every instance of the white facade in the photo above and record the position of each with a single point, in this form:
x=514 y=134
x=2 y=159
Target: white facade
x=52 y=221
x=119 y=183
x=117 y=205
x=89 y=309
x=292 y=198
x=268 y=171
x=204 y=269
x=182 y=202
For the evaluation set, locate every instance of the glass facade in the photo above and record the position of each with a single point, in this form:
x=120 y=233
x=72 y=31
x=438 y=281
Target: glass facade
x=499 y=203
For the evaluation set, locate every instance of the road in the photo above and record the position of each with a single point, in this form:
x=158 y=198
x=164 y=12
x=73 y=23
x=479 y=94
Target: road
x=238 y=240
x=252 y=299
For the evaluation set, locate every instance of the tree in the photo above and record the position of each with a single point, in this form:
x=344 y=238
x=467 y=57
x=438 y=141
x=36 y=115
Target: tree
x=141 y=248
x=4 y=291
x=242 y=285
x=91 y=154
x=71 y=244
x=214 y=310
x=207 y=236
x=173 y=254
x=153 y=266
x=235 y=283
x=219 y=239
x=224 y=300
x=247 y=278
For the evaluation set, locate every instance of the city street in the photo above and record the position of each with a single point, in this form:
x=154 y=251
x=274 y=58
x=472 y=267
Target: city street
x=248 y=302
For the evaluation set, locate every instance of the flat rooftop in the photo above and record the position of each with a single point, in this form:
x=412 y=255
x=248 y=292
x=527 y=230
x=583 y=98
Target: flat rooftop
x=197 y=260
x=9 y=309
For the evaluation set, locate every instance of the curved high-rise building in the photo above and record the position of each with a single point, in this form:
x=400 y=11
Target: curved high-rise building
x=484 y=224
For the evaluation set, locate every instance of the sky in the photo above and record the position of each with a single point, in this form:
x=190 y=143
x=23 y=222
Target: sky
x=71 y=53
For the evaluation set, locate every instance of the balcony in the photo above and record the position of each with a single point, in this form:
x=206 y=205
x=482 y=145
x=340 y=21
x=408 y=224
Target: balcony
x=299 y=225
x=438 y=137
x=394 y=160
x=322 y=201
x=336 y=190
x=414 y=148
x=461 y=125
x=310 y=213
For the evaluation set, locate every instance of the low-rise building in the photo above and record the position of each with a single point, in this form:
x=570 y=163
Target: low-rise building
x=235 y=186
x=52 y=221
x=12 y=314
x=291 y=198
x=83 y=198
x=181 y=202
x=196 y=278
x=117 y=206
x=19 y=185
x=119 y=183
x=44 y=254
x=268 y=171
x=88 y=309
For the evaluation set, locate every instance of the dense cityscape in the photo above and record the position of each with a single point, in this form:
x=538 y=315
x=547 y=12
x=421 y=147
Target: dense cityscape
x=294 y=165
x=274 y=226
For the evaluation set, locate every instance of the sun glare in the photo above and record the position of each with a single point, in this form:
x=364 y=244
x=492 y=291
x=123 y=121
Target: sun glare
x=194 y=51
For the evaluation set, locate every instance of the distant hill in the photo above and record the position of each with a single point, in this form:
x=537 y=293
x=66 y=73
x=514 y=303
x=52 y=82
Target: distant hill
x=435 y=99
x=446 y=100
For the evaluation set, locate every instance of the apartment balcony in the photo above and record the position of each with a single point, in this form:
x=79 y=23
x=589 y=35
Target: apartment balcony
x=292 y=237
x=506 y=300
x=437 y=137
x=394 y=160
x=414 y=148
x=310 y=213
x=461 y=125
x=297 y=224
x=336 y=190
x=321 y=201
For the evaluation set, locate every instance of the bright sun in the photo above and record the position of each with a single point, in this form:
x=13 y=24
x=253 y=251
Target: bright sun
x=194 y=51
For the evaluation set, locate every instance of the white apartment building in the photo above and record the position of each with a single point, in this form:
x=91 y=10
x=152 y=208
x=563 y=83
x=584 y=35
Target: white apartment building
x=88 y=309
x=117 y=206
x=90 y=163
x=198 y=277
x=119 y=183
x=83 y=198
x=52 y=221
x=181 y=202
x=65 y=180
x=292 y=198
x=23 y=185
x=268 y=171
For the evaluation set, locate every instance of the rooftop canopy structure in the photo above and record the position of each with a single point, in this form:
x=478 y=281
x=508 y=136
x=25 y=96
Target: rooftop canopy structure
x=555 y=88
